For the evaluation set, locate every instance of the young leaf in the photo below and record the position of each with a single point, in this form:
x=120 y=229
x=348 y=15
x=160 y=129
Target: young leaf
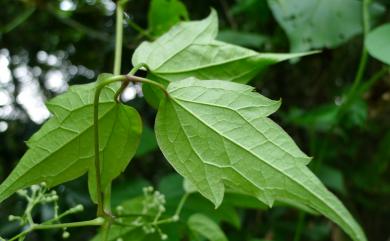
x=161 y=21
x=62 y=149
x=190 y=49
x=206 y=227
x=377 y=43
x=216 y=134
x=314 y=24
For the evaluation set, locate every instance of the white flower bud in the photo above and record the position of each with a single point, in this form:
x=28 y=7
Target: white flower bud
x=161 y=208
x=35 y=188
x=65 y=235
x=175 y=218
x=119 y=209
x=22 y=192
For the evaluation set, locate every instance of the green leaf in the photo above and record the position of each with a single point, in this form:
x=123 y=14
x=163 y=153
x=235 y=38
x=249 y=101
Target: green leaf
x=314 y=24
x=163 y=14
x=62 y=149
x=206 y=227
x=322 y=118
x=377 y=43
x=148 y=142
x=251 y=40
x=332 y=178
x=216 y=134
x=190 y=49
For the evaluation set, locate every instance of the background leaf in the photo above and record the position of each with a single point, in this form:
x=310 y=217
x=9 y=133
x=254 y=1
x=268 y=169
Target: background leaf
x=250 y=40
x=315 y=24
x=206 y=227
x=202 y=130
x=148 y=142
x=377 y=43
x=161 y=21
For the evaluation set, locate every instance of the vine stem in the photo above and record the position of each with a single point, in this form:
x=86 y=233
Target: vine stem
x=118 y=36
x=99 y=191
x=136 y=79
x=98 y=90
x=363 y=58
x=140 y=30
x=94 y=222
x=300 y=226
x=125 y=83
x=104 y=205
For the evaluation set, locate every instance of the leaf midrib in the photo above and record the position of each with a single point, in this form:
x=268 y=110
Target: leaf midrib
x=214 y=64
x=178 y=52
x=269 y=164
x=238 y=113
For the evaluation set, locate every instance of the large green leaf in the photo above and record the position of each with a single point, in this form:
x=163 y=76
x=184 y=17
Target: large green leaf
x=216 y=134
x=377 y=43
x=314 y=24
x=62 y=149
x=190 y=49
x=163 y=14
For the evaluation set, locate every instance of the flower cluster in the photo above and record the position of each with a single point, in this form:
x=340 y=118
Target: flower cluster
x=39 y=195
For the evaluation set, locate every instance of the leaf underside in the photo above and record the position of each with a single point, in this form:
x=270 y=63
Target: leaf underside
x=217 y=134
x=62 y=149
x=315 y=24
x=190 y=49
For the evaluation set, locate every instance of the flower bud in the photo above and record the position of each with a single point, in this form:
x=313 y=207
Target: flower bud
x=65 y=235
x=175 y=218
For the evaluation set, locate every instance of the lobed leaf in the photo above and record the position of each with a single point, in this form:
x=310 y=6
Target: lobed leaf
x=314 y=24
x=63 y=150
x=217 y=135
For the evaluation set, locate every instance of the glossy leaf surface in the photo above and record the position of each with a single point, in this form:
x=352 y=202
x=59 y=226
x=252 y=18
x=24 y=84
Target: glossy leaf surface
x=217 y=135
